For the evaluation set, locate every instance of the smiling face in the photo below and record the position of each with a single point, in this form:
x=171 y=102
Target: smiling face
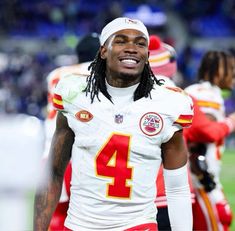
x=126 y=53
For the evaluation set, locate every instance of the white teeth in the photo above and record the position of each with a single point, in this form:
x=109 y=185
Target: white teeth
x=129 y=61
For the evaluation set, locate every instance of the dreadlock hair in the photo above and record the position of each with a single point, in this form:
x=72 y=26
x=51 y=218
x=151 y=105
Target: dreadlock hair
x=210 y=64
x=96 y=80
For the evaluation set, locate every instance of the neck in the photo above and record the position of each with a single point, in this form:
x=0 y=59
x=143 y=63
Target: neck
x=122 y=80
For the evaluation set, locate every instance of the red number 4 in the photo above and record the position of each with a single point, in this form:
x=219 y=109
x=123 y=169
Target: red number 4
x=112 y=162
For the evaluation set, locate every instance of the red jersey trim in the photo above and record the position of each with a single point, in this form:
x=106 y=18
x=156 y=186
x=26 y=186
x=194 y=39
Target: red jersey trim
x=57 y=102
x=184 y=120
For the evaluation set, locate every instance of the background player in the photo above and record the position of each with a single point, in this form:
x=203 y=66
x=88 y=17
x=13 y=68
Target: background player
x=216 y=72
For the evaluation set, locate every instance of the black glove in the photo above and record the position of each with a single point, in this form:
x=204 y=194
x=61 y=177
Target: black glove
x=207 y=180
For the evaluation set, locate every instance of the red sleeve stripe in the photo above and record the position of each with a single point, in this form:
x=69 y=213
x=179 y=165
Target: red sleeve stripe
x=210 y=104
x=184 y=120
x=185 y=117
x=57 y=102
x=57 y=106
x=56 y=96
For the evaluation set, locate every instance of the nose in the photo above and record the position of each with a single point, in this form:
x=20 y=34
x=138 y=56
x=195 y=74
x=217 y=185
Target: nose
x=130 y=47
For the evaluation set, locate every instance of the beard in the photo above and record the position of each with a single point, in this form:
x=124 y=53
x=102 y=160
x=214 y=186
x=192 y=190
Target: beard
x=123 y=77
x=129 y=77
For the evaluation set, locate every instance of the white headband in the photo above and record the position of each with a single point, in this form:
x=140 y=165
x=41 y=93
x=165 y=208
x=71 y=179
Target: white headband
x=122 y=23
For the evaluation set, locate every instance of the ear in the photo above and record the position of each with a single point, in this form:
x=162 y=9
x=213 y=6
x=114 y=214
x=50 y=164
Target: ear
x=147 y=61
x=103 y=52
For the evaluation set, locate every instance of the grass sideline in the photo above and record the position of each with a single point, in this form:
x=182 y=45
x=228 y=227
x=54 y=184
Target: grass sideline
x=227 y=179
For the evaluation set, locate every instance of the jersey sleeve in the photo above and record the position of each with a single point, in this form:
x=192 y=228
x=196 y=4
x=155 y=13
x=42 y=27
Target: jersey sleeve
x=180 y=113
x=67 y=89
x=185 y=112
x=184 y=117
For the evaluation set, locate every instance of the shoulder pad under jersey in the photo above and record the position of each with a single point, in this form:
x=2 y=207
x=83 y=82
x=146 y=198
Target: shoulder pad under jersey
x=66 y=90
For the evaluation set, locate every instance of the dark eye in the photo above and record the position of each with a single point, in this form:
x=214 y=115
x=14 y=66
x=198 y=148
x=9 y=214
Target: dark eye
x=119 y=41
x=141 y=44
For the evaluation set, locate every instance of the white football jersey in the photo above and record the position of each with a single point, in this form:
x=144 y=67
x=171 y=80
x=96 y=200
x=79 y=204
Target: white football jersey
x=167 y=81
x=117 y=153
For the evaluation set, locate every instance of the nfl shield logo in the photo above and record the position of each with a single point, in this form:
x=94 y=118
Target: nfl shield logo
x=118 y=119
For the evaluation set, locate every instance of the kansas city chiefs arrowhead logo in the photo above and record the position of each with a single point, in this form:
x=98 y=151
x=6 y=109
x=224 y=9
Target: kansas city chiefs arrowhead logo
x=151 y=124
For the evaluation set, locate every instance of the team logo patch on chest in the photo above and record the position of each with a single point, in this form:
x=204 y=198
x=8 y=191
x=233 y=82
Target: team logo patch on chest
x=84 y=116
x=151 y=123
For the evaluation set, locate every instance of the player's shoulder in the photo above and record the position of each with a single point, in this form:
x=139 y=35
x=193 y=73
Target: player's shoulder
x=177 y=103
x=173 y=93
x=177 y=90
x=174 y=98
x=67 y=90
x=166 y=80
x=72 y=81
x=70 y=84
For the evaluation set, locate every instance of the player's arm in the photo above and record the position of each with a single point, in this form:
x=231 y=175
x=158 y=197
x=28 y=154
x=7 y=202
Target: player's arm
x=47 y=197
x=175 y=156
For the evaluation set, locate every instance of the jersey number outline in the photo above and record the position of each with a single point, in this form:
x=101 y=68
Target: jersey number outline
x=112 y=162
